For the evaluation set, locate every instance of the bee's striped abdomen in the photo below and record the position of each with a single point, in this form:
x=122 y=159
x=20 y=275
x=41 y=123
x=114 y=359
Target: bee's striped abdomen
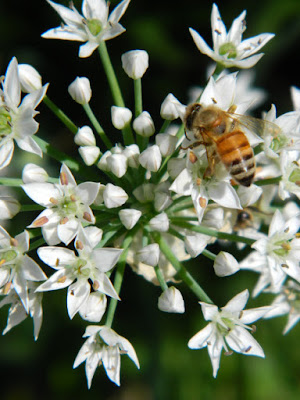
x=236 y=154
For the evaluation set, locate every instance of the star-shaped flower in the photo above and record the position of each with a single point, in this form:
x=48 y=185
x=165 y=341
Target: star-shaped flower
x=228 y=329
x=228 y=48
x=104 y=346
x=67 y=206
x=16 y=267
x=82 y=273
x=17 y=117
x=93 y=27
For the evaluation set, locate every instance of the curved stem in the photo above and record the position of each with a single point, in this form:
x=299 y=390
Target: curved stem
x=160 y=278
x=97 y=125
x=182 y=272
x=61 y=115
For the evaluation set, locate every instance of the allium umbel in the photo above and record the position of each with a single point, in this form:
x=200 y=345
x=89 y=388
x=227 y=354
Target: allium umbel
x=148 y=193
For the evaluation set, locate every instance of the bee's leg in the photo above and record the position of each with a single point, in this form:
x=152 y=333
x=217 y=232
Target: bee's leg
x=232 y=108
x=185 y=134
x=193 y=145
x=212 y=160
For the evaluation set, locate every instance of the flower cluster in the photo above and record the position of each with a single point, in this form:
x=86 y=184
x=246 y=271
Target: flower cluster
x=154 y=199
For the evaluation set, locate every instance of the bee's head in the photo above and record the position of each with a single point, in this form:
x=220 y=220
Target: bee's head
x=191 y=112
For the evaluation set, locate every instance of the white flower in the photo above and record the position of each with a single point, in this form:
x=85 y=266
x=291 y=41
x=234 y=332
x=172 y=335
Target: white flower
x=17 y=268
x=225 y=264
x=80 y=90
x=228 y=329
x=228 y=48
x=192 y=182
x=290 y=178
x=93 y=27
x=287 y=302
x=129 y=217
x=85 y=137
x=195 y=243
x=277 y=255
x=144 y=125
x=94 y=307
x=9 y=207
x=160 y=222
x=30 y=79
x=132 y=153
x=76 y=272
x=17 y=118
x=67 y=206
x=17 y=313
x=34 y=173
x=171 y=108
x=104 y=347
x=117 y=164
x=114 y=196
x=166 y=143
x=120 y=116
x=89 y=154
x=171 y=301
x=135 y=63
x=144 y=193
x=149 y=254
x=151 y=158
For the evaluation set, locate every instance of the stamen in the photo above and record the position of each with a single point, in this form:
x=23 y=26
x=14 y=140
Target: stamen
x=87 y=216
x=53 y=200
x=248 y=349
x=96 y=285
x=63 y=178
x=62 y=279
x=192 y=157
x=57 y=262
x=202 y=202
x=40 y=222
x=79 y=245
x=3 y=261
x=14 y=242
x=73 y=197
x=64 y=220
x=6 y=287
x=228 y=353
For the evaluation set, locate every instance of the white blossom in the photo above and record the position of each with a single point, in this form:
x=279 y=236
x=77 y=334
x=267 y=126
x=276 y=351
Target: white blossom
x=225 y=264
x=34 y=173
x=92 y=27
x=160 y=222
x=228 y=48
x=85 y=137
x=228 y=329
x=149 y=254
x=135 y=63
x=120 y=116
x=129 y=217
x=17 y=117
x=80 y=90
x=30 y=79
x=114 y=196
x=89 y=154
x=171 y=301
x=67 y=206
x=144 y=125
x=171 y=108
x=104 y=347
x=9 y=207
x=151 y=158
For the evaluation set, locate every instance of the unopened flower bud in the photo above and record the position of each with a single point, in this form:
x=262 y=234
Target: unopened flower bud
x=162 y=200
x=34 y=173
x=171 y=108
x=171 y=301
x=132 y=154
x=196 y=243
x=99 y=198
x=30 y=79
x=117 y=164
x=160 y=222
x=166 y=143
x=225 y=264
x=9 y=207
x=135 y=63
x=89 y=154
x=85 y=137
x=129 y=217
x=144 y=125
x=149 y=254
x=80 y=90
x=144 y=193
x=114 y=196
x=175 y=166
x=120 y=116
x=102 y=164
x=151 y=158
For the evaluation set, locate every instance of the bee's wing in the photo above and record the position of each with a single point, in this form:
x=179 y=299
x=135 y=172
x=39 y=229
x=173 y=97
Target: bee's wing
x=257 y=126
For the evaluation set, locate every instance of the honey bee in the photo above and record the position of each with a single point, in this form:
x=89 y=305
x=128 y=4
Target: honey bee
x=222 y=134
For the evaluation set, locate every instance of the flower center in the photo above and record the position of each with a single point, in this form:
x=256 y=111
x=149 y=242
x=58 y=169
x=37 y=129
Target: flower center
x=282 y=248
x=5 y=122
x=295 y=176
x=94 y=25
x=228 y=49
x=279 y=142
x=229 y=326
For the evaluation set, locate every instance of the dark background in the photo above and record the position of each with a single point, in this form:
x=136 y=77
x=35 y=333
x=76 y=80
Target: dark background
x=169 y=370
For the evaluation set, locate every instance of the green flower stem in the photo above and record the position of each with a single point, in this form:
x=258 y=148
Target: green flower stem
x=63 y=158
x=160 y=278
x=97 y=126
x=209 y=254
x=37 y=243
x=219 y=68
x=178 y=221
x=13 y=182
x=61 y=115
x=119 y=278
x=111 y=76
x=115 y=88
x=31 y=207
x=165 y=126
x=182 y=272
x=138 y=102
x=271 y=181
